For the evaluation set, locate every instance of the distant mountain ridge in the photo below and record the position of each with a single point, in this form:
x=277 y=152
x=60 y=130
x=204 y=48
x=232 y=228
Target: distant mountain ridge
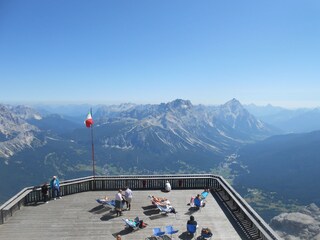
x=288 y=120
x=286 y=164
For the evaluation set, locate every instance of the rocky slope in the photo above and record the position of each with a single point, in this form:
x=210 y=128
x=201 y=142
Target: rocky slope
x=16 y=133
x=302 y=225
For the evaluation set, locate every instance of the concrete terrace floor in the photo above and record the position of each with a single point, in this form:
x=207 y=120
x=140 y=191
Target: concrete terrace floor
x=79 y=216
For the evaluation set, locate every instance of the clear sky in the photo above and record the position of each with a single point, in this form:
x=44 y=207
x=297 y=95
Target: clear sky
x=114 y=51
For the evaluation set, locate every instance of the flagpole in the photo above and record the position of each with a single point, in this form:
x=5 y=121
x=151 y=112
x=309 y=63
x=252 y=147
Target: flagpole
x=92 y=149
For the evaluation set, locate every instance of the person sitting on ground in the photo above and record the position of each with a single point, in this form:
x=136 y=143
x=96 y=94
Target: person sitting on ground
x=198 y=202
x=201 y=197
x=192 y=222
x=206 y=232
x=167 y=187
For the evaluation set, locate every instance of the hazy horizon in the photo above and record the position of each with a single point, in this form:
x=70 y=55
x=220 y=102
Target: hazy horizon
x=93 y=104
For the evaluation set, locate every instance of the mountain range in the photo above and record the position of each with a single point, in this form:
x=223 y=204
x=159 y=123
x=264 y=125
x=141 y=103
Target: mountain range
x=299 y=120
x=169 y=137
x=173 y=137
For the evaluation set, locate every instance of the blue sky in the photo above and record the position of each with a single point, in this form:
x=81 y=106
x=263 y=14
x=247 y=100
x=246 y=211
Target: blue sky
x=81 y=51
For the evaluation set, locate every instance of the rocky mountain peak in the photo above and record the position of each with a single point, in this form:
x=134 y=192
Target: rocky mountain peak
x=180 y=104
x=233 y=105
x=234 y=109
x=25 y=112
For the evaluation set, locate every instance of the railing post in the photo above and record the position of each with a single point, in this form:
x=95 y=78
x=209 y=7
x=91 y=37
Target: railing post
x=2 y=220
x=144 y=183
x=94 y=184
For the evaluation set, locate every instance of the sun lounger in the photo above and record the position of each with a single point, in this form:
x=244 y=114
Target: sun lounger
x=166 y=209
x=110 y=203
x=204 y=194
x=133 y=224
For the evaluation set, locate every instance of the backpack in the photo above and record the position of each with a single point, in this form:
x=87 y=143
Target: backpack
x=206 y=232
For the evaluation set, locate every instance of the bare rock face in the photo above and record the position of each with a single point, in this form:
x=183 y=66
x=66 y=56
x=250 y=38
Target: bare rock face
x=179 y=125
x=304 y=224
x=15 y=133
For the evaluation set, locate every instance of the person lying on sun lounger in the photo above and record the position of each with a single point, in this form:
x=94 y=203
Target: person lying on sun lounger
x=166 y=209
x=134 y=224
x=106 y=202
x=159 y=201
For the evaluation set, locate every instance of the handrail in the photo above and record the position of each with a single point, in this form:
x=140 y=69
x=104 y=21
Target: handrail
x=249 y=212
x=32 y=195
x=13 y=204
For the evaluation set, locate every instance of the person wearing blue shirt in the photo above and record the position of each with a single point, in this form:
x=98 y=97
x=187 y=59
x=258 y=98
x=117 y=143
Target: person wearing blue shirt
x=55 y=187
x=198 y=202
x=192 y=225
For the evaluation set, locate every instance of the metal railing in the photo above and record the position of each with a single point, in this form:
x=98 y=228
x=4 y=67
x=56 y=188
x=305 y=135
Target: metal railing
x=252 y=225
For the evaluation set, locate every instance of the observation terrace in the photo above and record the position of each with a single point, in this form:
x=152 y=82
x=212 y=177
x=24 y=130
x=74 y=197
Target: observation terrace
x=78 y=216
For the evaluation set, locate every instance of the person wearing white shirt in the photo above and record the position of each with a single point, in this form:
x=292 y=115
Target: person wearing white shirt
x=167 y=187
x=128 y=197
x=118 y=202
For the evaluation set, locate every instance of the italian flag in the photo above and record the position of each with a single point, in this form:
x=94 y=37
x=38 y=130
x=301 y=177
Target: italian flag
x=89 y=120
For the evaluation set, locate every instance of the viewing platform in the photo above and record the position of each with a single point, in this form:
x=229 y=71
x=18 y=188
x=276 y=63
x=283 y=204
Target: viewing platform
x=77 y=215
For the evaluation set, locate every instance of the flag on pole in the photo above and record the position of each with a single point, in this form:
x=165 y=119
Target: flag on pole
x=89 y=120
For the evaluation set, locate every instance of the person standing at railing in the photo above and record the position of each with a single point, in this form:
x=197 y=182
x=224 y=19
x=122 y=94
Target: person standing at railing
x=55 y=187
x=45 y=192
